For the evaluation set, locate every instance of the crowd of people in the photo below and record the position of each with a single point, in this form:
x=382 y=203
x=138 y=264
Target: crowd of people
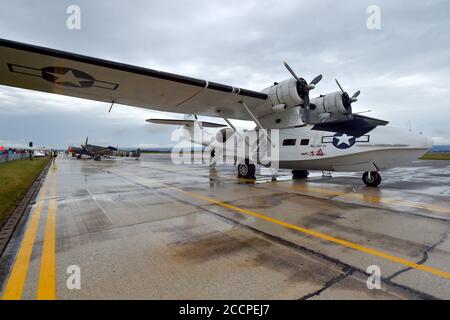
x=7 y=153
x=4 y=150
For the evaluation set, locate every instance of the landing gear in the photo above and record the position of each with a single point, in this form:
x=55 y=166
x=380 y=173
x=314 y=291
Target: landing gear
x=246 y=170
x=300 y=174
x=79 y=156
x=371 y=179
x=97 y=158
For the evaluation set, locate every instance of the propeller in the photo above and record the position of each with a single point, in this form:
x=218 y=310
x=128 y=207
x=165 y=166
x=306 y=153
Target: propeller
x=303 y=89
x=346 y=99
x=84 y=146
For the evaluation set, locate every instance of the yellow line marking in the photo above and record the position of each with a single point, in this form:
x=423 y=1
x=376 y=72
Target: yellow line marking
x=368 y=198
x=47 y=275
x=17 y=277
x=323 y=236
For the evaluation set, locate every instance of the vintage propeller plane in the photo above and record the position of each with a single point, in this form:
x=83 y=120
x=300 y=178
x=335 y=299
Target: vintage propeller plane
x=97 y=152
x=320 y=133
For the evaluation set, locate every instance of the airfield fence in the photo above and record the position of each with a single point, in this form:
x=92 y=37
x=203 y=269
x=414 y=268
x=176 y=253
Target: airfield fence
x=13 y=156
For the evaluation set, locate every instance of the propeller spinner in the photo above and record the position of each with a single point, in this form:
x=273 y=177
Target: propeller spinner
x=303 y=89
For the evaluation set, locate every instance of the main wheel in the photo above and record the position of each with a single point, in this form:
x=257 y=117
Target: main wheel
x=97 y=158
x=371 y=179
x=300 y=174
x=246 y=170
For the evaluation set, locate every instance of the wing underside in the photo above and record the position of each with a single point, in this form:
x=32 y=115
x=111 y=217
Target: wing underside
x=42 y=69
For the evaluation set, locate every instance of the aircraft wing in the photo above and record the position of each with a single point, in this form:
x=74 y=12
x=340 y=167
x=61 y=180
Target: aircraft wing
x=48 y=70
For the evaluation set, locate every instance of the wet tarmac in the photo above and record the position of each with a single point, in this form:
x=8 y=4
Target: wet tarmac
x=150 y=229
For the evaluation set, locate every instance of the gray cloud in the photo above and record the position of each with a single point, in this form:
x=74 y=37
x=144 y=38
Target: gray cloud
x=402 y=69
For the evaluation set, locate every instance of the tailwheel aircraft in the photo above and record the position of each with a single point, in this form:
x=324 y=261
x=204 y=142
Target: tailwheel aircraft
x=97 y=152
x=320 y=133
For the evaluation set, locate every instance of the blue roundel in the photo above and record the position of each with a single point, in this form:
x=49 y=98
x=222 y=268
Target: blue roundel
x=343 y=141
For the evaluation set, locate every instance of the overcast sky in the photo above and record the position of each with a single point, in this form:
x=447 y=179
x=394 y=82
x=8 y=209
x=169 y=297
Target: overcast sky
x=402 y=69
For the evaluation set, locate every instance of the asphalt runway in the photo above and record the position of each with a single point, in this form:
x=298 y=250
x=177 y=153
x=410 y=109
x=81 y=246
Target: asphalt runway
x=150 y=229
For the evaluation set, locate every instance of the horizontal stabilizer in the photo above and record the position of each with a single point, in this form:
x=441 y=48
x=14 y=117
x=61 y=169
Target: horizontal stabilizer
x=204 y=124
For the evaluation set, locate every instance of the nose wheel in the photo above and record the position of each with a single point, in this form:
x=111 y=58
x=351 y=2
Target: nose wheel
x=371 y=179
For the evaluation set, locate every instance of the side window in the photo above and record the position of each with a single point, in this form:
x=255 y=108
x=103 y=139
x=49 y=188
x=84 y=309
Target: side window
x=304 y=142
x=289 y=142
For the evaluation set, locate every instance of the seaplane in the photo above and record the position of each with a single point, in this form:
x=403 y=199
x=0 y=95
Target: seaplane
x=320 y=133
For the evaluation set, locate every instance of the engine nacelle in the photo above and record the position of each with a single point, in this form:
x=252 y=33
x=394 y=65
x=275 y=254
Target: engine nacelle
x=284 y=93
x=224 y=134
x=332 y=106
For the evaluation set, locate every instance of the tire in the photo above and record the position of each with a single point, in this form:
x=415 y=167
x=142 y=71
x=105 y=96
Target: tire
x=97 y=158
x=300 y=174
x=373 y=181
x=246 y=170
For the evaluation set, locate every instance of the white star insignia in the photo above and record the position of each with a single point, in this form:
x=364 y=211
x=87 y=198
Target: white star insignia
x=344 y=139
x=67 y=77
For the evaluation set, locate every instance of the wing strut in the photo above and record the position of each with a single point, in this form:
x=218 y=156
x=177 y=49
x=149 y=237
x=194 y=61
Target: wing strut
x=258 y=124
x=110 y=108
x=227 y=121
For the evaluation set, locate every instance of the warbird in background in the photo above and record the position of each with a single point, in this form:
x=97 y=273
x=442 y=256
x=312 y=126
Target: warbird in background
x=97 y=152
x=320 y=133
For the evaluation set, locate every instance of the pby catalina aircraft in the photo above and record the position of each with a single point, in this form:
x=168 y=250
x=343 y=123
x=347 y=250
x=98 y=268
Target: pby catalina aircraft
x=97 y=152
x=314 y=134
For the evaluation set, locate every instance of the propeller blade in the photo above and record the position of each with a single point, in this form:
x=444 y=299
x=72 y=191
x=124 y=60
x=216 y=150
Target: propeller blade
x=339 y=85
x=87 y=138
x=356 y=94
x=316 y=80
x=291 y=71
x=303 y=89
x=306 y=109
